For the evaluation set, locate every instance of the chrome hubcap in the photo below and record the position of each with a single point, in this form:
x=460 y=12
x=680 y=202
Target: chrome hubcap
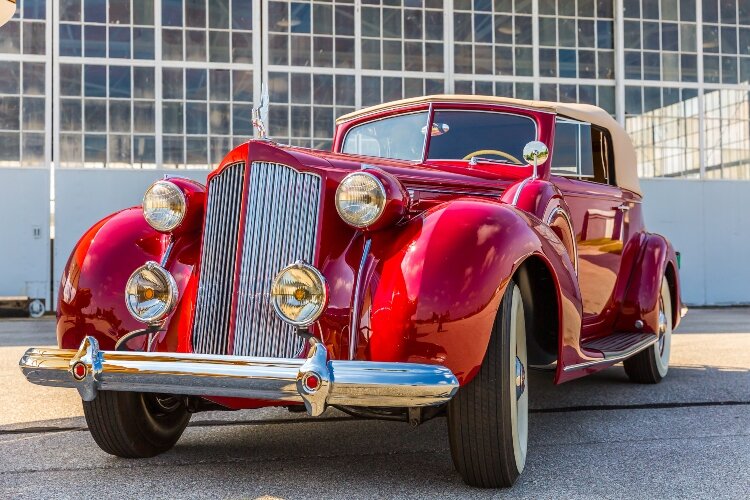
x=520 y=378
x=662 y=328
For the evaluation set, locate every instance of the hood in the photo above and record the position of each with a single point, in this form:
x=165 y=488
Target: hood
x=415 y=176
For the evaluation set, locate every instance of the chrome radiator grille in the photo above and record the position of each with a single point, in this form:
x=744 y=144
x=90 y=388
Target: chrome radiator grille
x=220 y=236
x=281 y=221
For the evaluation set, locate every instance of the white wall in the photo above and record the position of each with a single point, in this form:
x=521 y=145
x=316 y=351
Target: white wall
x=707 y=221
x=24 y=253
x=85 y=196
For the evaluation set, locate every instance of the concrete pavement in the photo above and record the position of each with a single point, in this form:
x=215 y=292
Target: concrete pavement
x=596 y=437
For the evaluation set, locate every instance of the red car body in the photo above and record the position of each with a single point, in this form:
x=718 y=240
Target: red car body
x=429 y=287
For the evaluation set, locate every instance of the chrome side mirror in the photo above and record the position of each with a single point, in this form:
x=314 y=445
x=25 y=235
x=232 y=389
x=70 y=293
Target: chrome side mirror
x=535 y=153
x=7 y=9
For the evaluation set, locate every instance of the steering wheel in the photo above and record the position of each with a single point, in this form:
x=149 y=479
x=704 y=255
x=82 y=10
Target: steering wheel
x=497 y=152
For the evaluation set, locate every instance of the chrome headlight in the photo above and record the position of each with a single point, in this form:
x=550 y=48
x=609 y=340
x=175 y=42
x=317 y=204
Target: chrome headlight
x=299 y=294
x=164 y=206
x=151 y=293
x=360 y=199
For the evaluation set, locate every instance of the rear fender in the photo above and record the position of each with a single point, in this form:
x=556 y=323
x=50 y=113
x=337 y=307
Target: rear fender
x=91 y=300
x=640 y=301
x=435 y=288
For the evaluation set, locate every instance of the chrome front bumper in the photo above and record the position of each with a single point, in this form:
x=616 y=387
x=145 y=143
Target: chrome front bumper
x=314 y=381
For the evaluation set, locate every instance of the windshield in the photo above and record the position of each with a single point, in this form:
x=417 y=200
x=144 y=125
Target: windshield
x=455 y=135
x=400 y=137
x=487 y=135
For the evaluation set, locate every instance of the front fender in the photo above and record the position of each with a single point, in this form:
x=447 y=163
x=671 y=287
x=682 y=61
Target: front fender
x=640 y=301
x=91 y=299
x=437 y=286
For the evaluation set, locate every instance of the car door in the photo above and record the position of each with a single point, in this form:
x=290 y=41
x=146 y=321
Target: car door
x=582 y=168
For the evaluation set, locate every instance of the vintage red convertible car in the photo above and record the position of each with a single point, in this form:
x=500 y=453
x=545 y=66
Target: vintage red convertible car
x=421 y=268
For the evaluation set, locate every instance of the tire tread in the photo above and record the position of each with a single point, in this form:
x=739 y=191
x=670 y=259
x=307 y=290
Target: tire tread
x=478 y=421
x=118 y=426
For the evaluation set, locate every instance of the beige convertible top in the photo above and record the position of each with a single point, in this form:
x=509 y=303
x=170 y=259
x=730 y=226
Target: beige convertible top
x=626 y=172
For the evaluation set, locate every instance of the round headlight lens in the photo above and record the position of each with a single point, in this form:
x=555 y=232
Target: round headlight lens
x=164 y=206
x=151 y=293
x=299 y=294
x=360 y=199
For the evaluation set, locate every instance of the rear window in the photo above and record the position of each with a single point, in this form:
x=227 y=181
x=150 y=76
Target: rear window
x=460 y=135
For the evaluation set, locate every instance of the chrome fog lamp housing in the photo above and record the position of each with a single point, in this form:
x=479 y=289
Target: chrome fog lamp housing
x=151 y=293
x=164 y=206
x=361 y=199
x=299 y=294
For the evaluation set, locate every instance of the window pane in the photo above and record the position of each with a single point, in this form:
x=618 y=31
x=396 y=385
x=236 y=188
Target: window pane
x=398 y=137
x=464 y=133
x=565 y=150
x=10 y=113
x=33 y=113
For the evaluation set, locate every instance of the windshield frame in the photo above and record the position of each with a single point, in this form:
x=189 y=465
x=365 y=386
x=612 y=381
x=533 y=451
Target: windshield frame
x=540 y=117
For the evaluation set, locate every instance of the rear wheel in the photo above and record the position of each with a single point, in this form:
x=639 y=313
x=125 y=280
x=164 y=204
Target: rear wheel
x=135 y=425
x=651 y=365
x=488 y=420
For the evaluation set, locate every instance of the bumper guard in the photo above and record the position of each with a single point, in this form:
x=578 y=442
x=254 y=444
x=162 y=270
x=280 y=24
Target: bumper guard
x=314 y=381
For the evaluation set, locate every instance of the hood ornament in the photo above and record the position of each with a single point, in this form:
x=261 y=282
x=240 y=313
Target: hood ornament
x=260 y=114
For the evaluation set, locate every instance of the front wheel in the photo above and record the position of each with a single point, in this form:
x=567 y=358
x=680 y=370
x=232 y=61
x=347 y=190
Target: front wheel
x=651 y=365
x=488 y=420
x=135 y=425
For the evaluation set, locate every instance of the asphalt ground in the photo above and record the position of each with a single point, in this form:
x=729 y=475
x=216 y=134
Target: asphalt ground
x=597 y=437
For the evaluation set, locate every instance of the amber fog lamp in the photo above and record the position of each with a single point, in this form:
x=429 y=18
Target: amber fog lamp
x=164 y=206
x=370 y=199
x=151 y=293
x=299 y=294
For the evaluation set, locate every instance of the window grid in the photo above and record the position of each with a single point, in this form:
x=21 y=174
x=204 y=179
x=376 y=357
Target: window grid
x=312 y=56
x=493 y=38
x=145 y=121
x=662 y=41
x=576 y=39
x=23 y=104
x=726 y=41
x=379 y=51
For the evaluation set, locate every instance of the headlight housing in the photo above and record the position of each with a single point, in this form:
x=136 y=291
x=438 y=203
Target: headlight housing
x=299 y=294
x=151 y=293
x=361 y=199
x=164 y=206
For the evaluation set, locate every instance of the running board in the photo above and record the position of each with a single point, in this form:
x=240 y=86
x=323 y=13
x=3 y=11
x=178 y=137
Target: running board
x=615 y=347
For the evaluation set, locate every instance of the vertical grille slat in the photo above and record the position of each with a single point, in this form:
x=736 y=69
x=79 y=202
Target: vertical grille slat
x=281 y=218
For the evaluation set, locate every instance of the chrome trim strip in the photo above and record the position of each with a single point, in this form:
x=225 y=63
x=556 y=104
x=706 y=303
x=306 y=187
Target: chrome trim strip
x=456 y=191
x=167 y=252
x=520 y=188
x=614 y=359
x=357 y=301
x=347 y=383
